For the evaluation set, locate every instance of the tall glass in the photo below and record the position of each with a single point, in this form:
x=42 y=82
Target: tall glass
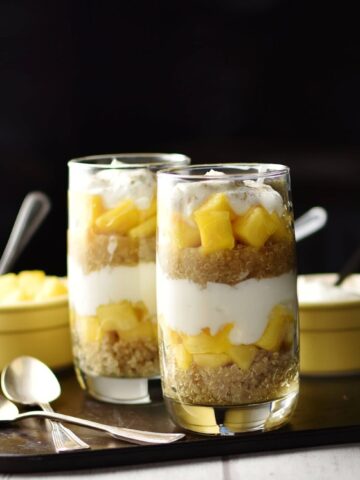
x=226 y=297
x=111 y=272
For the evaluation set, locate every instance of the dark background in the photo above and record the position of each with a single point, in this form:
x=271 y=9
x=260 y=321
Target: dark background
x=218 y=80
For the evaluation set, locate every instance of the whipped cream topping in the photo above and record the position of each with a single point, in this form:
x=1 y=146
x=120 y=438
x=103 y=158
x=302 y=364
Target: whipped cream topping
x=111 y=285
x=322 y=289
x=187 y=196
x=186 y=307
x=116 y=184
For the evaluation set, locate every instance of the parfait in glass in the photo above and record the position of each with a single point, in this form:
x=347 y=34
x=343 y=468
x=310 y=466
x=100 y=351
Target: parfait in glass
x=111 y=272
x=226 y=297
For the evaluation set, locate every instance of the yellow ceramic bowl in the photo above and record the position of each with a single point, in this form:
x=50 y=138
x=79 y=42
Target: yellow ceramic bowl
x=330 y=329
x=39 y=329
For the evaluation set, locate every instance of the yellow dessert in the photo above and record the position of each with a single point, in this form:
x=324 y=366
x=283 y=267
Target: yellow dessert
x=28 y=286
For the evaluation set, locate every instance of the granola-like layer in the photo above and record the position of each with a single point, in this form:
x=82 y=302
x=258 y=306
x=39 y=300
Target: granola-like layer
x=229 y=266
x=93 y=251
x=271 y=375
x=113 y=356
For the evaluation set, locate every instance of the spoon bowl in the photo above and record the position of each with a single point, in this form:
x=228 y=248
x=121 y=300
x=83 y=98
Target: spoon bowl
x=29 y=381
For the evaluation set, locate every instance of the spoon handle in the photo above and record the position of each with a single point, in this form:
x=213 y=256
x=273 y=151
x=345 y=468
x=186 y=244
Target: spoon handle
x=33 y=210
x=64 y=439
x=310 y=222
x=138 y=437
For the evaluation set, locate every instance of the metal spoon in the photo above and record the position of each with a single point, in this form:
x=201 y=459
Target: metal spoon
x=310 y=222
x=33 y=210
x=10 y=413
x=29 y=381
x=351 y=265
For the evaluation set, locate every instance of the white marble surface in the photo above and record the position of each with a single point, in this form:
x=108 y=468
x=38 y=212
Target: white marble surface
x=340 y=463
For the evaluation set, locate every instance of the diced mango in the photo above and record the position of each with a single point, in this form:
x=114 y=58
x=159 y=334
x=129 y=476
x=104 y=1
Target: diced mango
x=144 y=229
x=211 y=360
x=8 y=283
x=88 y=329
x=184 y=234
x=148 y=212
x=243 y=355
x=140 y=310
x=215 y=230
x=85 y=208
x=143 y=330
x=51 y=287
x=255 y=227
x=30 y=282
x=275 y=332
x=117 y=316
x=182 y=357
x=120 y=219
x=217 y=202
x=15 y=296
x=171 y=337
x=282 y=231
x=204 y=342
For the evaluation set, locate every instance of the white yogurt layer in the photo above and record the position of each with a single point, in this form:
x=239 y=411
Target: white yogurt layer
x=185 y=196
x=114 y=185
x=187 y=307
x=322 y=289
x=111 y=285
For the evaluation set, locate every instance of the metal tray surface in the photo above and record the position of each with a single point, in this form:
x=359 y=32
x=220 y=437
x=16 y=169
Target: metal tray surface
x=327 y=413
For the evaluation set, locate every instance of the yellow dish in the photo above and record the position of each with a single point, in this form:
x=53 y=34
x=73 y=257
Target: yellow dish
x=34 y=318
x=330 y=328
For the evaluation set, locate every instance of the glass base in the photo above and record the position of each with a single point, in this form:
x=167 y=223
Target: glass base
x=115 y=390
x=232 y=419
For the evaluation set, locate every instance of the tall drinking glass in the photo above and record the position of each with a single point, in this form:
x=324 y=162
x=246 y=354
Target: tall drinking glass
x=226 y=297
x=111 y=272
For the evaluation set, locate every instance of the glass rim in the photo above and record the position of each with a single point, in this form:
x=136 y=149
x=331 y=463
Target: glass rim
x=104 y=160
x=273 y=170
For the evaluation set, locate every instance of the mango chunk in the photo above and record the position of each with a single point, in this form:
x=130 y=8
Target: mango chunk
x=171 y=337
x=215 y=230
x=88 y=329
x=217 y=202
x=211 y=360
x=255 y=227
x=51 y=287
x=117 y=316
x=8 y=283
x=120 y=219
x=204 y=342
x=243 y=355
x=184 y=235
x=85 y=208
x=145 y=229
x=148 y=212
x=182 y=357
x=282 y=231
x=143 y=330
x=30 y=282
x=275 y=333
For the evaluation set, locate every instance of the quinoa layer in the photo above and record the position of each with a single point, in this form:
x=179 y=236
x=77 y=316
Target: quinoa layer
x=229 y=266
x=116 y=357
x=94 y=251
x=271 y=375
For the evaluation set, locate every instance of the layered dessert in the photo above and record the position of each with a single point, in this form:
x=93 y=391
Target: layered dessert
x=111 y=271
x=226 y=283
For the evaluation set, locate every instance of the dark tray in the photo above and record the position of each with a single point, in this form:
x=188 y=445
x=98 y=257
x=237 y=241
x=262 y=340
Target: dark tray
x=327 y=413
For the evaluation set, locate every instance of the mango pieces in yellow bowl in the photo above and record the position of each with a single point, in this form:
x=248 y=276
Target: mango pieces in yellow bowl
x=30 y=286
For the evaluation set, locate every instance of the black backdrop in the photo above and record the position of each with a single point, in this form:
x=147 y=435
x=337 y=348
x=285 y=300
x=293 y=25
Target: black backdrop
x=219 y=80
